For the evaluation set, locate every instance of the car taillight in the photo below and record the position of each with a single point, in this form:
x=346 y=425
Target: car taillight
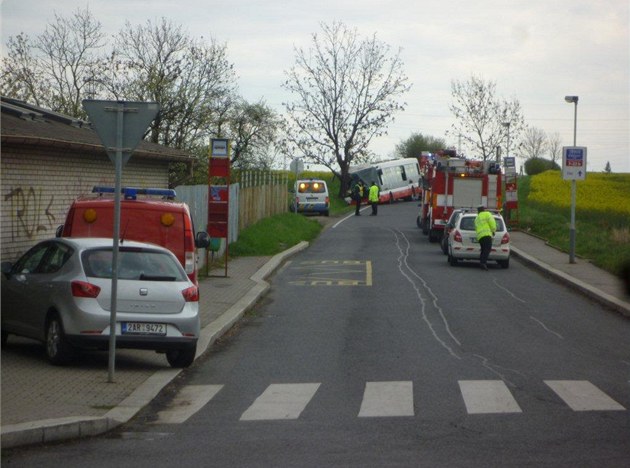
x=505 y=239
x=189 y=262
x=191 y=294
x=327 y=201
x=84 y=289
x=457 y=237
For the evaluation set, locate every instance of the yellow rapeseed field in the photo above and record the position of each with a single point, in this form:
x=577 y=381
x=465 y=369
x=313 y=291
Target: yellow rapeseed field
x=599 y=192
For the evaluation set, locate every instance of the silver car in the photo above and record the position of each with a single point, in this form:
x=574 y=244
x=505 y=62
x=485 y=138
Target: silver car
x=59 y=292
x=463 y=244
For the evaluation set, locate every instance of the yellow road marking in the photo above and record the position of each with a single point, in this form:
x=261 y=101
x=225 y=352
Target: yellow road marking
x=323 y=273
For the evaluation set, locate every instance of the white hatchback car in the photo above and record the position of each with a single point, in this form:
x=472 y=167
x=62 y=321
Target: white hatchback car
x=59 y=292
x=463 y=245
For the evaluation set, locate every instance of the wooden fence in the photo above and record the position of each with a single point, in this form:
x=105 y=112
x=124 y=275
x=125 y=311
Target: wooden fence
x=261 y=194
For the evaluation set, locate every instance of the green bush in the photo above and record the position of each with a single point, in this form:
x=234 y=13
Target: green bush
x=535 y=166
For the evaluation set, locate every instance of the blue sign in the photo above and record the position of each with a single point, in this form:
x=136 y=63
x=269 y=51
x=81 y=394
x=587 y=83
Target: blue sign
x=574 y=162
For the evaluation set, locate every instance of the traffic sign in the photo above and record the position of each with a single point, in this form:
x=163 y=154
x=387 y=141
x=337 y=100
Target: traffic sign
x=297 y=165
x=136 y=117
x=573 y=162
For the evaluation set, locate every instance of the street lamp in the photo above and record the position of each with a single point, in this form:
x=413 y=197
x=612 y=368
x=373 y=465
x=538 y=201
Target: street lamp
x=574 y=100
x=507 y=124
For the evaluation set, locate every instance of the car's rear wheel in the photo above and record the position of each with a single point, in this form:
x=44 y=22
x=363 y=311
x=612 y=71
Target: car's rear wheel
x=58 y=350
x=504 y=263
x=452 y=260
x=181 y=357
x=5 y=337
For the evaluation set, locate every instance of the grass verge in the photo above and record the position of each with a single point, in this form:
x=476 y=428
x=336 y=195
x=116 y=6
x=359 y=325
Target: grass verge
x=275 y=234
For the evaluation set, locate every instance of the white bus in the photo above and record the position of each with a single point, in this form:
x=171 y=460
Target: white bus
x=396 y=179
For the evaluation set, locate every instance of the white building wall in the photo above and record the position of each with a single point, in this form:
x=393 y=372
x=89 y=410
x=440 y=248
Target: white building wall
x=38 y=188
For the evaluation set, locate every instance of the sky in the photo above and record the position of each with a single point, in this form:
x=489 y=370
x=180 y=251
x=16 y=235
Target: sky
x=536 y=51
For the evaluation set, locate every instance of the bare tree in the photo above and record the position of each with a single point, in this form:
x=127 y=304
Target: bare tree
x=481 y=117
x=534 y=143
x=346 y=93
x=554 y=147
x=22 y=78
x=252 y=128
x=189 y=78
x=59 y=68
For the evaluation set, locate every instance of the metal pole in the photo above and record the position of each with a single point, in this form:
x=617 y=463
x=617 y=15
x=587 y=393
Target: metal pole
x=114 y=297
x=573 y=196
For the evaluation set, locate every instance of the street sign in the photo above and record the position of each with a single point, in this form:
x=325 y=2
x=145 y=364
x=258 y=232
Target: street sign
x=573 y=162
x=510 y=164
x=120 y=126
x=219 y=148
x=136 y=118
x=297 y=166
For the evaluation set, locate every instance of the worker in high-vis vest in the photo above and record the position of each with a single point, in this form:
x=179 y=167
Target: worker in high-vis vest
x=373 y=198
x=485 y=227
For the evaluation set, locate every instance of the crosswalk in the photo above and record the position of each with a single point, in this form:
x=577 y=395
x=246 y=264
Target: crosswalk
x=385 y=399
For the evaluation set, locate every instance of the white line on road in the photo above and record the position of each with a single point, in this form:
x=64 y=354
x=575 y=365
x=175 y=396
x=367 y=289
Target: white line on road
x=187 y=402
x=488 y=396
x=581 y=395
x=281 y=401
x=384 y=399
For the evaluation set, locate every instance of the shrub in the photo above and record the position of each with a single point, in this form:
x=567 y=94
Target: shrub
x=535 y=166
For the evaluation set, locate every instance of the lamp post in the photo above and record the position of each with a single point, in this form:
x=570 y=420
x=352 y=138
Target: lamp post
x=574 y=100
x=507 y=150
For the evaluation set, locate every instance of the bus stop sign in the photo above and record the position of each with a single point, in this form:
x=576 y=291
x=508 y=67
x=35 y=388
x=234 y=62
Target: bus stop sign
x=574 y=162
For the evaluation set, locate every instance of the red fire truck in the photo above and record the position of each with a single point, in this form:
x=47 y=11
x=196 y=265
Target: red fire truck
x=450 y=182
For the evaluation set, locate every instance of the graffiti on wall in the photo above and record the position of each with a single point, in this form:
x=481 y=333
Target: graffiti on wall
x=30 y=212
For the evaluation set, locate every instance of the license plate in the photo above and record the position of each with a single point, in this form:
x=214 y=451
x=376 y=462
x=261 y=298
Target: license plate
x=143 y=328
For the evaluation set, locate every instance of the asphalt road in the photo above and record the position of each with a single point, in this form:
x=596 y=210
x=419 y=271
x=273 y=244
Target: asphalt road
x=371 y=350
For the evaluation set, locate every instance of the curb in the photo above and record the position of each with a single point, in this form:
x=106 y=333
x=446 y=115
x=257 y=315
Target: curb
x=582 y=287
x=52 y=430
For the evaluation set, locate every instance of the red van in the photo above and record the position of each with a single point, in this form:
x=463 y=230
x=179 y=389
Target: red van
x=160 y=221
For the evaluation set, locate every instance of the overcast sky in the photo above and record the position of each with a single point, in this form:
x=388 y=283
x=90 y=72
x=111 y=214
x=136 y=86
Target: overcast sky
x=537 y=51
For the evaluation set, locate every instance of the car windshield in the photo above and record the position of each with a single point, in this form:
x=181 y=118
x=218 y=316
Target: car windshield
x=311 y=187
x=467 y=223
x=133 y=264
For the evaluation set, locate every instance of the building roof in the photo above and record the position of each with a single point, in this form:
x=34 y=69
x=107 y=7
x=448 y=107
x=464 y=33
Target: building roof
x=26 y=124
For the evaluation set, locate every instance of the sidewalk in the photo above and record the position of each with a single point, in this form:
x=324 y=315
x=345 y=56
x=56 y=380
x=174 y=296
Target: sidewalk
x=44 y=403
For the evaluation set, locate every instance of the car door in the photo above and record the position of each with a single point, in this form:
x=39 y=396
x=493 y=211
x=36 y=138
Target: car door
x=18 y=298
x=26 y=294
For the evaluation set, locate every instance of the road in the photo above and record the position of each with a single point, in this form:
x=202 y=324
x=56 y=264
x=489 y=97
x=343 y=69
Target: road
x=371 y=350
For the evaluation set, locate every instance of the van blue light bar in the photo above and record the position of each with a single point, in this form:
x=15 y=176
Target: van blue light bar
x=131 y=193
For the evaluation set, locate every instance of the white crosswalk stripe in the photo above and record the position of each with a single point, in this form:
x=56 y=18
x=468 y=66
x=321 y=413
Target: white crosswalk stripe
x=582 y=395
x=488 y=396
x=188 y=401
x=281 y=401
x=386 y=399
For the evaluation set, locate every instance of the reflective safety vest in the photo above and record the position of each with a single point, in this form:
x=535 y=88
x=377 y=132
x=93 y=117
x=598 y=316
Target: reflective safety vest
x=485 y=225
x=373 y=197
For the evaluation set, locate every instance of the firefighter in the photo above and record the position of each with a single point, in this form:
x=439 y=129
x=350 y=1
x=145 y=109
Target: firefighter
x=373 y=198
x=485 y=227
